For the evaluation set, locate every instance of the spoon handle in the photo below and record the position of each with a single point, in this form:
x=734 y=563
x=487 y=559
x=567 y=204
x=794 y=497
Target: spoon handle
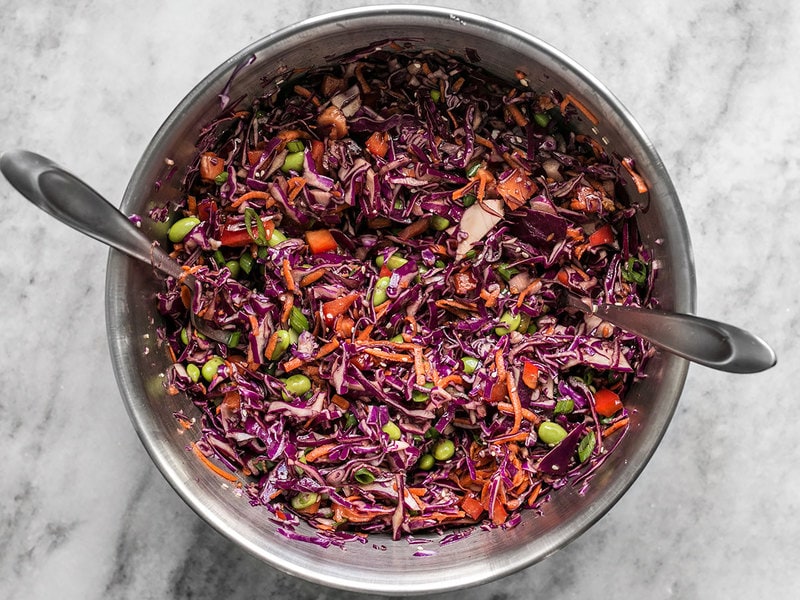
x=706 y=342
x=74 y=203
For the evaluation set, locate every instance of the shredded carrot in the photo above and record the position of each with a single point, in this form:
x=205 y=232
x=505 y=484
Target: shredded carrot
x=417 y=491
x=365 y=333
x=250 y=196
x=456 y=304
x=287 y=135
x=500 y=365
x=319 y=452
x=287 y=275
x=570 y=99
x=212 y=466
x=327 y=349
x=517 y=115
x=270 y=349
x=186 y=296
x=340 y=402
x=641 y=186
x=292 y=364
x=191 y=204
x=490 y=297
x=511 y=386
x=528 y=415
x=463 y=191
x=419 y=365
x=533 y=287
x=520 y=436
x=287 y=308
x=312 y=277
x=618 y=425
x=392 y=356
x=484 y=142
x=395 y=345
x=295 y=185
x=445 y=381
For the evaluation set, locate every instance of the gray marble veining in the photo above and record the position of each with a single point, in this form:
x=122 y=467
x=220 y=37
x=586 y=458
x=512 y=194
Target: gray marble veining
x=83 y=512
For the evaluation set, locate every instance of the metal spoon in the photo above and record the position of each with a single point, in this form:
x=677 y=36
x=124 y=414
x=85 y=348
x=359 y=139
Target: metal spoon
x=706 y=342
x=65 y=197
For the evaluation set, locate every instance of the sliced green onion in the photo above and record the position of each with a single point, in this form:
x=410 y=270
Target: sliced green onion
x=364 y=476
x=564 y=407
x=542 y=119
x=255 y=227
x=469 y=200
x=221 y=178
x=304 y=500
x=586 y=446
x=473 y=168
x=470 y=364
x=233 y=339
x=506 y=272
x=510 y=322
x=276 y=238
x=246 y=262
x=634 y=271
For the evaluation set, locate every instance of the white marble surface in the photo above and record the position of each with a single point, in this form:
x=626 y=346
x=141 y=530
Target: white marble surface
x=83 y=512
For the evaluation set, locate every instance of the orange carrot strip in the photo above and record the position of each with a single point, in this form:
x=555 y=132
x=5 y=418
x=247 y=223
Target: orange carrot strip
x=570 y=99
x=445 y=381
x=500 y=365
x=471 y=507
x=365 y=333
x=249 y=196
x=313 y=277
x=191 y=204
x=287 y=275
x=641 y=186
x=270 y=349
x=532 y=288
x=319 y=452
x=287 y=309
x=292 y=364
x=340 y=402
x=511 y=386
x=392 y=356
x=517 y=115
x=296 y=185
x=520 y=436
x=618 y=425
x=528 y=415
x=419 y=365
x=489 y=297
x=212 y=466
x=326 y=349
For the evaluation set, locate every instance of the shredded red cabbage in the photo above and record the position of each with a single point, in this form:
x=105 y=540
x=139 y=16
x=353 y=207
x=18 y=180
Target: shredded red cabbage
x=389 y=240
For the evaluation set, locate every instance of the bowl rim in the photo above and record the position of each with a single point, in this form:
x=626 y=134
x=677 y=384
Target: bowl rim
x=118 y=266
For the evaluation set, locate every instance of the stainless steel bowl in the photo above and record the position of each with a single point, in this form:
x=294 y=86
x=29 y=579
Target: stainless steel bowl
x=139 y=362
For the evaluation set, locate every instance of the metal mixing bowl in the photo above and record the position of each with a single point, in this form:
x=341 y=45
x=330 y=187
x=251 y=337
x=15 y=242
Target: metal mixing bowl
x=140 y=362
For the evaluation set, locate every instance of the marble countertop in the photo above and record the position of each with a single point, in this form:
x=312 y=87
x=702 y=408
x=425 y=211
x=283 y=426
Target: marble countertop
x=85 y=514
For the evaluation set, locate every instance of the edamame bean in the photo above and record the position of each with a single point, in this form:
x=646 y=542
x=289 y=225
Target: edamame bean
x=439 y=223
x=426 y=462
x=185 y=336
x=551 y=433
x=395 y=262
x=510 y=323
x=470 y=364
x=392 y=430
x=211 y=368
x=283 y=341
x=297 y=385
x=542 y=119
x=293 y=162
x=193 y=372
x=420 y=396
x=398 y=339
x=295 y=146
x=436 y=95
x=444 y=449
x=304 y=500
x=379 y=295
x=181 y=228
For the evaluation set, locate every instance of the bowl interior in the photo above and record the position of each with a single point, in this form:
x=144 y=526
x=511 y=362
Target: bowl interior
x=382 y=565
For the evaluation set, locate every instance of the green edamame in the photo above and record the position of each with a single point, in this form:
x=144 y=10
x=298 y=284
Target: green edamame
x=181 y=228
x=297 y=385
x=392 y=430
x=211 y=368
x=379 y=296
x=510 y=323
x=471 y=364
x=293 y=162
x=283 y=341
x=193 y=372
x=426 y=462
x=551 y=433
x=444 y=449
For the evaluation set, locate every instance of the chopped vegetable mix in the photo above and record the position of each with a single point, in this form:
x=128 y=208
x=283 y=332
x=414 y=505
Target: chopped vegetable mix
x=389 y=240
